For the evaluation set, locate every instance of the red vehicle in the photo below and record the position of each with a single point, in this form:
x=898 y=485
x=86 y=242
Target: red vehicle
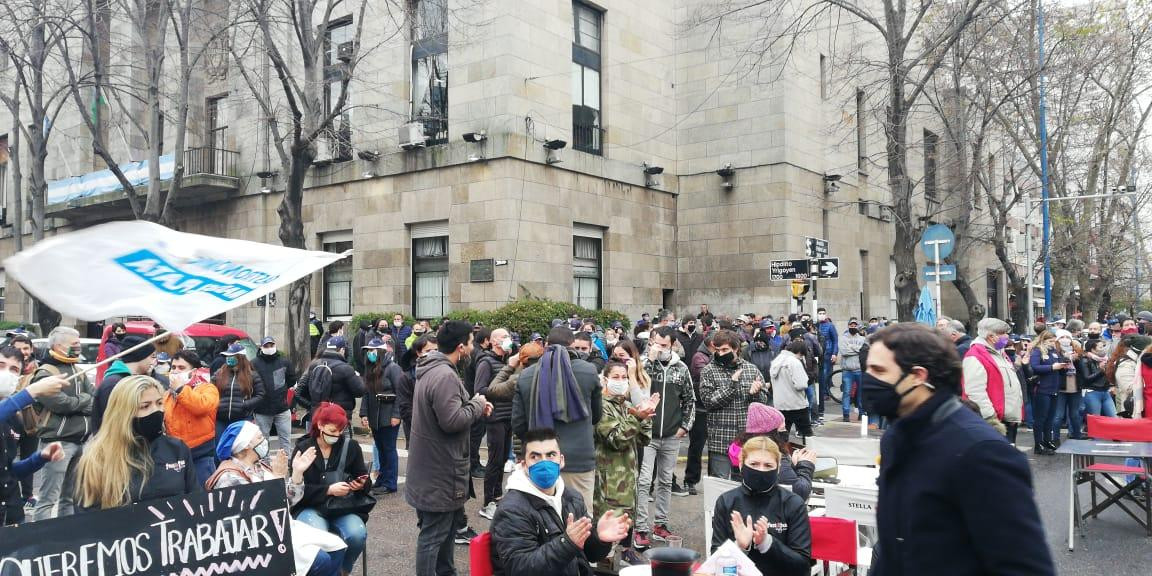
x=201 y=337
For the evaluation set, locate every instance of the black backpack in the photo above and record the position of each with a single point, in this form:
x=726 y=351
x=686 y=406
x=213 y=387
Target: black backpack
x=319 y=385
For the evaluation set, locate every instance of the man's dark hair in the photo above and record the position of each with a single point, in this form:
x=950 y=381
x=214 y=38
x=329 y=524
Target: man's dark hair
x=482 y=335
x=663 y=332
x=21 y=339
x=452 y=335
x=119 y=326
x=535 y=435
x=189 y=356
x=914 y=344
x=335 y=326
x=13 y=353
x=728 y=337
x=560 y=335
x=724 y=322
x=582 y=336
x=822 y=309
x=797 y=347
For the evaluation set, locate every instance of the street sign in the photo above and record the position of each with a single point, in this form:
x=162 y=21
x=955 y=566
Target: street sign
x=815 y=247
x=947 y=273
x=788 y=269
x=825 y=268
x=937 y=235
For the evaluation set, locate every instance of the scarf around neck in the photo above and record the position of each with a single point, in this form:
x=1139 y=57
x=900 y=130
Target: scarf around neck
x=555 y=393
x=63 y=359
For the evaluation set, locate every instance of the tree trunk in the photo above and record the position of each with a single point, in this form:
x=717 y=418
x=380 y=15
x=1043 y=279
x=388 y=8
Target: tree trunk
x=976 y=309
x=905 y=240
x=292 y=235
x=15 y=149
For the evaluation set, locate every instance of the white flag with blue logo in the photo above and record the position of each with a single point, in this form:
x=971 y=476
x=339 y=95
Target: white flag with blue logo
x=143 y=269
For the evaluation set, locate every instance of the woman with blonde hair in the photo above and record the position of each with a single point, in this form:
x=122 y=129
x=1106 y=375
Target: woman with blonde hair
x=1050 y=364
x=131 y=459
x=641 y=384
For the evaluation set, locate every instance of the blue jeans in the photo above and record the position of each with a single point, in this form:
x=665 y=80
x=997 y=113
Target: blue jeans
x=1099 y=403
x=1027 y=406
x=326 y=563
x=386 y=460
x=349 y=528
x=1043 y=409
x=813 y=405
x=205 y=466
x=849 y=380
x=1068 y=409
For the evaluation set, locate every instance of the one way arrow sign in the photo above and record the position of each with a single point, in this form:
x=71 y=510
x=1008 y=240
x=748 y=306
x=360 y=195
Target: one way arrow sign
x=825 y=268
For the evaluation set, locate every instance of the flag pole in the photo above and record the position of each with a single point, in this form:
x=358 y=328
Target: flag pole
x=117 y=356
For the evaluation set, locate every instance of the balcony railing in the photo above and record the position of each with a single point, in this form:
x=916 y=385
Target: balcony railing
x=216 y=161
x=588 y=138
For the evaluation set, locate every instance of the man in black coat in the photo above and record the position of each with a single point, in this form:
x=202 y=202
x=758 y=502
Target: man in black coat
x=277 y=375
x=955 y=498
x=330 y=378
x=541 y=527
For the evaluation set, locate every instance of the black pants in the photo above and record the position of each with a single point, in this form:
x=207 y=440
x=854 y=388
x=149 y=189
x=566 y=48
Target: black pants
x=477 y=437
x=435 y=545
x=29 y=445
x=697 y=442
x=1011 y=429
x=801 y=419
x=499 y=439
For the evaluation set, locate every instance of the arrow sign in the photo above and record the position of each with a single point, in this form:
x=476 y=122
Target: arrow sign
x=815 y=247
x=825 y=268
x=788 y=269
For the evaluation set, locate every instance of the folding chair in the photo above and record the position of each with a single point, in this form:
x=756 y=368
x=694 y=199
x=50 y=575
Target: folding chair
x=1116 y=430
x=834 y=540
x=480 y=555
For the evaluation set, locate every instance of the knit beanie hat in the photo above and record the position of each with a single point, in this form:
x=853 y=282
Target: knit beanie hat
x=763 y=419
x=236 y=437
x=138 y=354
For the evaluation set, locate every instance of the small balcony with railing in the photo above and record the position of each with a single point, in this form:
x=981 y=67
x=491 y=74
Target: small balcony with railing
x=588 y=138
x=210 y=175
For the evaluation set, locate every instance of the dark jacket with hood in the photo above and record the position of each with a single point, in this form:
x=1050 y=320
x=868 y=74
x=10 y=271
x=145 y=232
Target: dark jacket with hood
x=346 y=385
x=374 y=407
x=677 y=407
x=11 y=469
x=234 y=406
x=1090 y=374
x=315 y=484
x=117 y=372
x=963 y=344
x=277 y=376
x=442 y=416
x=955 y=498
x=790 y=553
x=488 y=365
x=691 y=342
x=529 y=537
x=577 y=439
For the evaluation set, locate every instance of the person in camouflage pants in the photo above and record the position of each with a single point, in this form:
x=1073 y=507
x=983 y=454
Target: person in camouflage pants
x=621 y=431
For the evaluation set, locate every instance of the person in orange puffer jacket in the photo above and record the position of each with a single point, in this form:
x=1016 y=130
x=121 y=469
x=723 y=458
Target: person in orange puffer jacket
x=190 y=410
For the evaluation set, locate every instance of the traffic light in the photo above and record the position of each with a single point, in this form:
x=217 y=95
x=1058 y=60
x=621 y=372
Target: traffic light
x=262 y=301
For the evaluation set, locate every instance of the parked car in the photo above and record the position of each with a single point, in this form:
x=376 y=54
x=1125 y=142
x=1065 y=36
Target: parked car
x=201 y=337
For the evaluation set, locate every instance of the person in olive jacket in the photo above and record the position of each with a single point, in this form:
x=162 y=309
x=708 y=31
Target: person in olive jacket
x=443 y=413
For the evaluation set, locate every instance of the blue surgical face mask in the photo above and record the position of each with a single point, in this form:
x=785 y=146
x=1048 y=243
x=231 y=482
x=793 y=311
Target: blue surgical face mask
x=544 y=474
x=372 y=356
x=232 y=361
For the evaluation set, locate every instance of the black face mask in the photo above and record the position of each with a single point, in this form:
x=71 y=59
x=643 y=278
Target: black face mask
x=149 y=427
x=758 y=481
x=1093 y=335
x=725 y=359
x=881 y=398
x=853 y=331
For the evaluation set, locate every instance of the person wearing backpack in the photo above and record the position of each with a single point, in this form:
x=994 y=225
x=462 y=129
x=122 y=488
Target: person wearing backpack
x=330 y=378
x=241 y=389
x=63 y=418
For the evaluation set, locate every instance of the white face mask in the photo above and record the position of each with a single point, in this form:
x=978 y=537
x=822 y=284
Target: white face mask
x=398 y=323
x=162 y=368
x=8 y=382
x=331 y=440
x=269 y=351
x=1066 y=344
x=618 y=387
x=506 y=345
x=261 y=449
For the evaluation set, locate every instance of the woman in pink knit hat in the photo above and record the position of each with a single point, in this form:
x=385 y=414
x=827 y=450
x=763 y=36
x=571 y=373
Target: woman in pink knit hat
x=796 y=466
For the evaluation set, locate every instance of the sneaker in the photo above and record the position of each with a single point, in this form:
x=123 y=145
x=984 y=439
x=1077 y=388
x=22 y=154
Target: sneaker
x=465 y=535
x=678 y=490
x=509 y=466
x=691 y=489
x=640 y=540
x=633 y=558
x=382 y=491
x=847 y=418
x=661 y=533
x=488 y=511
x=30 y=503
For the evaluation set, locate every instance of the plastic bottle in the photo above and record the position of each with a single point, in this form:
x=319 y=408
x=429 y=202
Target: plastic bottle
x=727 y=565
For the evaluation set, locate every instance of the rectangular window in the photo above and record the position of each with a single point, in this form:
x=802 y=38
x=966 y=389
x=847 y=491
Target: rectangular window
x=587 y=134
x=865 y=285
x=823 y=77
x=429 y=33
x=861 y=133
x=993 y=293
x=216 y=124
x=430 y=276
x=338 y=282
x=339 y=50
x=4 y=179
x=586 y=271
x=931 y=142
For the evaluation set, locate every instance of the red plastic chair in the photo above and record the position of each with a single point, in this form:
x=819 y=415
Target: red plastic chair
x=834 y=540
x=1116 y=430
x=480 y=555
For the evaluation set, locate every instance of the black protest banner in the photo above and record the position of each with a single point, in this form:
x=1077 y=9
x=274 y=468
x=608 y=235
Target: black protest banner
x=241 y=530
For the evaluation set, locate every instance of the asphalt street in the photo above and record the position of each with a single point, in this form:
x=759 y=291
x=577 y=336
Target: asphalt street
x=1113 y=544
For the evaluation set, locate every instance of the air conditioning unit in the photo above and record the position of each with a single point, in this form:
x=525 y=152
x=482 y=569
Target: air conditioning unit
x=412 y=136
x=324 y=155
x=346 y=51
x=885 y=214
